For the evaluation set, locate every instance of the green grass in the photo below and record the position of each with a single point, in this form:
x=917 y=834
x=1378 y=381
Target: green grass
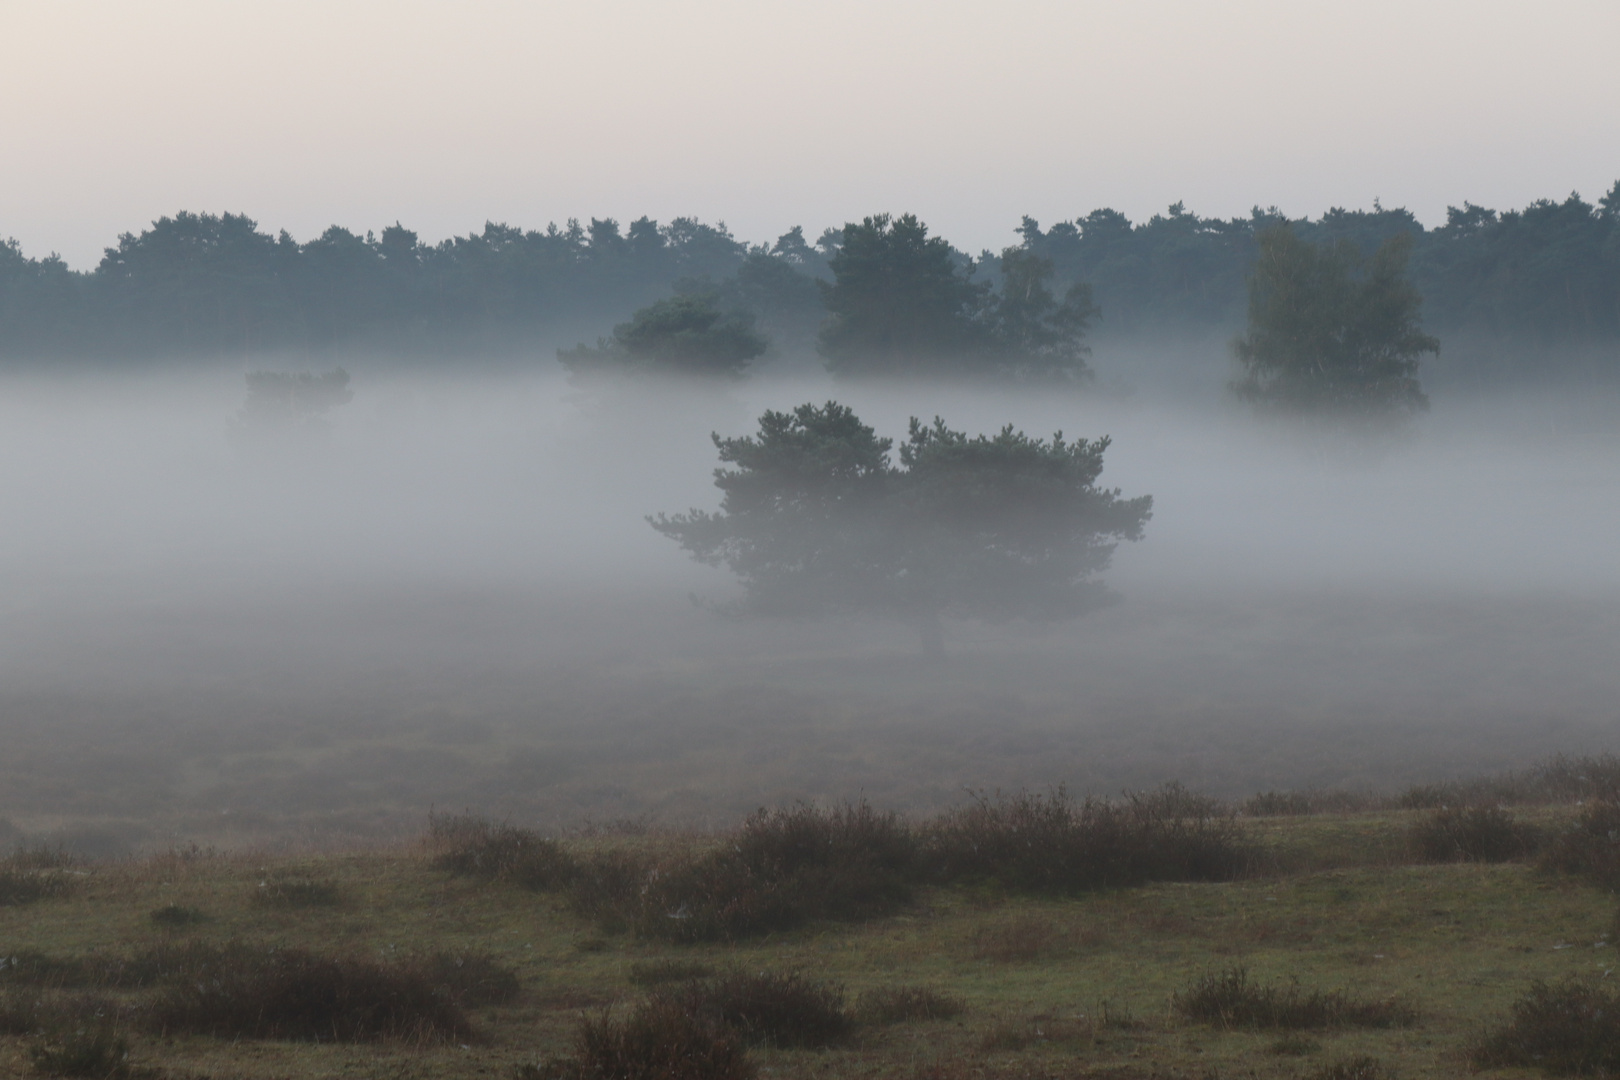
x=1032 y=984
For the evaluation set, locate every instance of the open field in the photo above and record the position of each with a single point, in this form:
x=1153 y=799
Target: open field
x=1079 y=983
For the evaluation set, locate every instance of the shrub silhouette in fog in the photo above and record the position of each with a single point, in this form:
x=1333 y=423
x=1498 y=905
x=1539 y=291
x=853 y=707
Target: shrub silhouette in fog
x=685 y=335
x=286 y=408
x=814 y=517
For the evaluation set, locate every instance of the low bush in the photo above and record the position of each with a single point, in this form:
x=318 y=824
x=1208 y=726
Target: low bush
x=1229 y=999
x=298 y=995
x=774 y=1009
x=1590 y=846
x=902 y=1004
x=1054 y=844
x=1486 y=834
x=30 y=967
x=35 y=873
x=297 y=893
x=31 y=1012
x=782 y=869
x=471 y=846
x=177 y=915
x=93 y=1052
x=1571 y=1029
x=660 y=1040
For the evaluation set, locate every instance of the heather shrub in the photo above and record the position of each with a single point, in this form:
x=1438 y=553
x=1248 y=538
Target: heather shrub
x=299 y=995
x=1571 y=1029
x=1472 y=834
x=1229 y=999
x=660 y=1040
x=471 y=846
x=764 y=1007
x=1590 y=846
x=1054 y=844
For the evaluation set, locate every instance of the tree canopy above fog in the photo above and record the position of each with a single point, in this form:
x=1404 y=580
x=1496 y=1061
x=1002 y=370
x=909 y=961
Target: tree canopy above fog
x=815 y=517
x=217 y=287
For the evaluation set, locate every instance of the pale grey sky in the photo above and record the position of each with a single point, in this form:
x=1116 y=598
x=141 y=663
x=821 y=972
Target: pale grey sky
x=771 y=113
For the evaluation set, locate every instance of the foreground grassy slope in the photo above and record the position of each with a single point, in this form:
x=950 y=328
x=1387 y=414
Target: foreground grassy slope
x=1077 y=985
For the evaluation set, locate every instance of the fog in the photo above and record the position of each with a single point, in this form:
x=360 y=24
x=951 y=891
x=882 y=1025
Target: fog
x=453 y=600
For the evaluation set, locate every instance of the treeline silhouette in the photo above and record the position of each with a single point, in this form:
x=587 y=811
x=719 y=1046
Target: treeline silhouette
x=200 y=285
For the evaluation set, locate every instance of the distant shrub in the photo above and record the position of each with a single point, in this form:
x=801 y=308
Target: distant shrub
x=783 y=868
x=662 y=972
x=297 y=893
x=471 y=846
x=1231 y=1000
x=299 y=995
x=660 y=1040
x=1557 y=780
x=901 y=1004
x=1571 y=1029
x=1056 y=845
x=775 y=1009
x=177 y=915
x=1020 y=941
x=1590 y=846
x=1486 y=834
x=470 y=978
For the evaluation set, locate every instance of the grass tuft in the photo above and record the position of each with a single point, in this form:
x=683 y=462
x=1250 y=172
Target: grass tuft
x=1229 y=999
x=1571 y=1029
x=1590 y=846
x=93 y=1052
x=297 y=893
x=177 y=916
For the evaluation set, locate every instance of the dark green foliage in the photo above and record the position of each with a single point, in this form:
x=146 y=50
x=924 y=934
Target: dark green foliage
x=1473 y=834
x=297 y=893
x=299 y=995
x=1039 y=337
x=1330 y=331
x=686 y=335
x=769 y=1008
x=1590 y=846
x=660 y=1040
x=904 y=1004
x=1229 y=999
x=900 y=303
x=814 y=517
x=1568 y=1029
x=177 y=915
x=1053 y=844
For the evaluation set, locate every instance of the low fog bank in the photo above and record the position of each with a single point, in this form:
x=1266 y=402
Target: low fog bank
x=452 y=599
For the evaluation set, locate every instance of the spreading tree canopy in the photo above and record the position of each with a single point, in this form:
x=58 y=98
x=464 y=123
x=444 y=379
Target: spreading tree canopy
x=815 y=517
x=1332 y=331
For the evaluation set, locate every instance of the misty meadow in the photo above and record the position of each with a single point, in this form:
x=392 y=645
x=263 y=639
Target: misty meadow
x=1180 y=648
